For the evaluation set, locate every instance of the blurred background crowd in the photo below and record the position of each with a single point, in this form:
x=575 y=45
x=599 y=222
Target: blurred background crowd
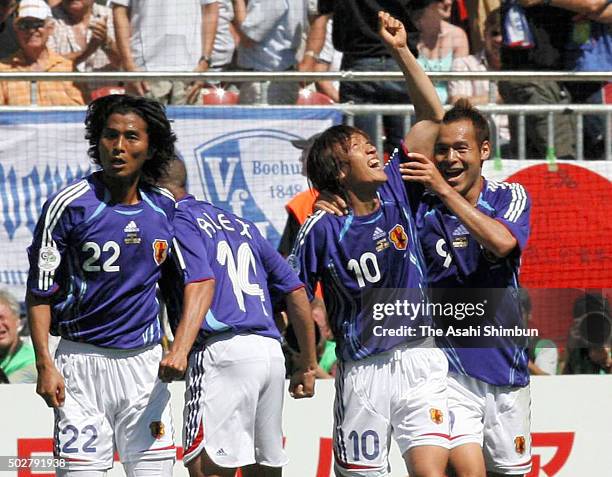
x=301 y=35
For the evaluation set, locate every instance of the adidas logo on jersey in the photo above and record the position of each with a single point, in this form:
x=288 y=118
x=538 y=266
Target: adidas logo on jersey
x=131 y=227
x=378 y=233
x=221 y=452
x=132 y=236
x=461 y=230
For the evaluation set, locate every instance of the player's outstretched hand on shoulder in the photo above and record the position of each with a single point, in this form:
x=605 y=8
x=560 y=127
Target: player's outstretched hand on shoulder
x=172 y=367
x=50 y=386
x=392 y=31
x=302 y=384
x=331 y=203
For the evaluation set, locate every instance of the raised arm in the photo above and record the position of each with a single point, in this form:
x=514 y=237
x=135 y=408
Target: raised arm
x=426 y=102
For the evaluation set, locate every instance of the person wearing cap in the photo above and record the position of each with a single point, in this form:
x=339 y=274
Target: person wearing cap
x=33 y=25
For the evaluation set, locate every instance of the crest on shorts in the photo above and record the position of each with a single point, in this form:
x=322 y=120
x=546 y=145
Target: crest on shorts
x=436 y=415
x=157 y=429
x=519 y=444
x=398 y=237
x=160 y=250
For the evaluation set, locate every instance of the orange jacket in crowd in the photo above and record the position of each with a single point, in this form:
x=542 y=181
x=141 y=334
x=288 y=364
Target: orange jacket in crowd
x=50 y=93
x=302 y=204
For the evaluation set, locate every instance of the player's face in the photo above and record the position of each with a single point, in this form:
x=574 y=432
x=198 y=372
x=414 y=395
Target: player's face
x=363 y=167
x=459 y=157
x=8 y=329
x=124 y=146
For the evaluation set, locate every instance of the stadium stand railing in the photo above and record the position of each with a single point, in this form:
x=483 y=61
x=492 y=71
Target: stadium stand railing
x=577 y=110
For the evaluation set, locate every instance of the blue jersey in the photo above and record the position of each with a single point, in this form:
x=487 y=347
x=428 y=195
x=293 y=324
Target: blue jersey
x=99 y=263
x=216 y=244
x=456 y=260
x=353 y=257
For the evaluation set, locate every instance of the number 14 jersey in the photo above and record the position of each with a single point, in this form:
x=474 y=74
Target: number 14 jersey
x=216 y=244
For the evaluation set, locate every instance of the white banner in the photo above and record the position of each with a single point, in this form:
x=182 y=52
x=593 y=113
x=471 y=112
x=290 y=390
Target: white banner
x=571 y=428
x=241 y=159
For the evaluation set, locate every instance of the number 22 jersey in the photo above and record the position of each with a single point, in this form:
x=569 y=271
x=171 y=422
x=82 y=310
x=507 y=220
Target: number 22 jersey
x=99 y=263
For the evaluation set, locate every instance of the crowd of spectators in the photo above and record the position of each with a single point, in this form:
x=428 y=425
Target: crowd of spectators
x=259 y=35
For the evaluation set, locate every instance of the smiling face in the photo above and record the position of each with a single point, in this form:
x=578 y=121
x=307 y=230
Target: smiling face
x=362 y=167
x=459 y=157
x=32 y=34
x=9 y=324
x=123 y=147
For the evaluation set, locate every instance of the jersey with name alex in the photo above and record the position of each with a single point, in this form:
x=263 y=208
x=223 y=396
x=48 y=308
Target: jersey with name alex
x=99 y=263
x=359 y=260
x=456 y=260
x=214 y=243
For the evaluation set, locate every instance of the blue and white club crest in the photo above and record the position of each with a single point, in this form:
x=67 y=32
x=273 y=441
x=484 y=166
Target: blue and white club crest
x=253 y=173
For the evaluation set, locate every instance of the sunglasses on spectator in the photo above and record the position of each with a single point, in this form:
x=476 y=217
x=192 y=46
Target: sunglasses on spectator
x=27 y=25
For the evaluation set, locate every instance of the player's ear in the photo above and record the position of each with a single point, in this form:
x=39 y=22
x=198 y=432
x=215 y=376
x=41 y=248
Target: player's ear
x=485 y=150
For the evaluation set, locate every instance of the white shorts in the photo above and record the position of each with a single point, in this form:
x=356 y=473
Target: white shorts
x=495 y=417
x=400 y=393
x=234 y=402
x=114 y=400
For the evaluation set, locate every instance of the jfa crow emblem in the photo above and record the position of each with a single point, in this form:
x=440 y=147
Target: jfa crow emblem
x=160 y=250
x=157 y=429
x=398 y=237
x=436 y=415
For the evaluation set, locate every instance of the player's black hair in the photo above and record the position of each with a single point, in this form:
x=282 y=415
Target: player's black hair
x=161 y=137
x=463 y=109
x=325 y=160
x=175 y=175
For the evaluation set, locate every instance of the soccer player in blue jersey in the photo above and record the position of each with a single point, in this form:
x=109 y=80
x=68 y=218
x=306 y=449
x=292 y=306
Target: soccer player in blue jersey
x=95 y=261
x=391 y=381
x=236 y=372
x=473 y=231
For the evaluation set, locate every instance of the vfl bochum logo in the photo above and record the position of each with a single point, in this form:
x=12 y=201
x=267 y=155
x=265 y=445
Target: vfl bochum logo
x=252 y=173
